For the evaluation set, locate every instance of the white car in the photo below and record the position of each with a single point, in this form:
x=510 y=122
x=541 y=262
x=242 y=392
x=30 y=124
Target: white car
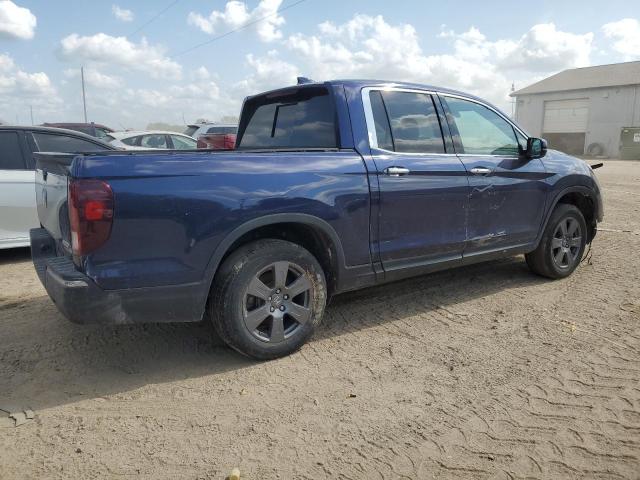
x=151 y=140
x=17 y=175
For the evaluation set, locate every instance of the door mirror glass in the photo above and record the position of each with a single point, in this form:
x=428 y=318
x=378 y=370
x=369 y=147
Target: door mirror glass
x=536 y=147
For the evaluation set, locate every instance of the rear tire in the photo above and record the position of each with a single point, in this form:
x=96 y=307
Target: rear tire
x=267 y=298
x=562 y=245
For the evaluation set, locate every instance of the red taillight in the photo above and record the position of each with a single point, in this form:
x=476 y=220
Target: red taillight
x=90 y=214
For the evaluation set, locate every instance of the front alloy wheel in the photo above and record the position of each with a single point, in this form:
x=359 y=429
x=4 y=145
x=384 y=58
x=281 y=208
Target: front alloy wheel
x=566 y=243
x=562 y=244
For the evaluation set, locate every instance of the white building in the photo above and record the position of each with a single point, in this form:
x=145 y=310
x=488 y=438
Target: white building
x=592 y=110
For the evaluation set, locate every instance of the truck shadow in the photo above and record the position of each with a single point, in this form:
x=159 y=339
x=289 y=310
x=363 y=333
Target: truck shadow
x=47 y=361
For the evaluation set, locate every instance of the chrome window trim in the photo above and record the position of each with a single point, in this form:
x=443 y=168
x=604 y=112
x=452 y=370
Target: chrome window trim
x=371 y=126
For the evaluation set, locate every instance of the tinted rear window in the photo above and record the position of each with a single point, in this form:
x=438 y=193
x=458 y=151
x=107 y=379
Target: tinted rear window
x=190 y=130
x=302 y=119
x=10 y=152
x=223 y=130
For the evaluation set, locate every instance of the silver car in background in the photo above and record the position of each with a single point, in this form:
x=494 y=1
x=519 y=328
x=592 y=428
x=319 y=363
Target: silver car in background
x=17 y=174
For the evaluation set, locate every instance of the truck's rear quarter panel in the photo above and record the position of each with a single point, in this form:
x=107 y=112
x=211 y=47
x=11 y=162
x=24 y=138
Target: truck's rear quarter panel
x=173 y=211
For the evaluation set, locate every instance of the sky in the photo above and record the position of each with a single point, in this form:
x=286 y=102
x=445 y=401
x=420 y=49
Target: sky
x=177 y=61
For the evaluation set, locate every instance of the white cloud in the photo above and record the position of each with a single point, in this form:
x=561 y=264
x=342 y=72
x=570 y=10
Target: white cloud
x=236 y=14
x=122 y=14
x=20 y=89
x=15 y=21
x=369 y=46
x=96 y=78
x=201 y=73
x=625 y=34
x=105 y=49
x=266 y=73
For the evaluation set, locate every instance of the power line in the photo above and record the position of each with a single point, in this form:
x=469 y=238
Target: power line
x=241 y=27
x=153 y=19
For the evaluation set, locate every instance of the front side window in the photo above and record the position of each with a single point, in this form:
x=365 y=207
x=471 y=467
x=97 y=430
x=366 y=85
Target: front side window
x=183 y=143
x=48 y=142
x=302 y=119
x=10 y=152
x=154 y=141
x=481 y=130
x=410 y=124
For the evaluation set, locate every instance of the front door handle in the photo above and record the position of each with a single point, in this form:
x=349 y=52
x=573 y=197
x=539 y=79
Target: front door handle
x=396 y=171
x=481 y=171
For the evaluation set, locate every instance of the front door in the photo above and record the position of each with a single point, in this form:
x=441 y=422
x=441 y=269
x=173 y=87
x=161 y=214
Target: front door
x=423 y=188
x=508 y=191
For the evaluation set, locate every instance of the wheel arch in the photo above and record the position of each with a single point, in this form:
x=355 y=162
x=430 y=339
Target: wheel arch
x=308 y=231
x=584 y=199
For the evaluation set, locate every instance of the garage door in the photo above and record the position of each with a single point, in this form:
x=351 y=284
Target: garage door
x=565 y=124
x=566 y=116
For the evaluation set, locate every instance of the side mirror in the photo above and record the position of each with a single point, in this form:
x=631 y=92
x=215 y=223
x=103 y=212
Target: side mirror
x=536 y=147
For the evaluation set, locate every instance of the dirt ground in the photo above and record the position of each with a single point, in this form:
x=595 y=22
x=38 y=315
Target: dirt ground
x=481 y=372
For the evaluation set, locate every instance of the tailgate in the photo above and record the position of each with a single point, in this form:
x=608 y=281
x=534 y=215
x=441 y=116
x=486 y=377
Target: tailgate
x=52 y=173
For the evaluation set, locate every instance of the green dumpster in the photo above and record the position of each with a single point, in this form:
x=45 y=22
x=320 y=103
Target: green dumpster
x=630 y=143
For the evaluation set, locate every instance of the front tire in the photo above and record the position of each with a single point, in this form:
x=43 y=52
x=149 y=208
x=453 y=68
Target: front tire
x=267 y=298
x=562 y=244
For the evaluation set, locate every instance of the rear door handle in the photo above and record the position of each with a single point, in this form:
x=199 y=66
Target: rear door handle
x=396 y=171
x=481 y=171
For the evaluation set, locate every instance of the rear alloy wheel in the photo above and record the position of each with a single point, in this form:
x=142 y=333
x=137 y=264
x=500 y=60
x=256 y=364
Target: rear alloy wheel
x=277 y=302
x=267 y=298
x=562 y=245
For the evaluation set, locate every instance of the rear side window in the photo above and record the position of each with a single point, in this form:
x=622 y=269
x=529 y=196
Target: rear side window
x=133 y=141
x=381 y=120
x=62 y=143
x=10 y=152
x=303 y=119
x=412 y=120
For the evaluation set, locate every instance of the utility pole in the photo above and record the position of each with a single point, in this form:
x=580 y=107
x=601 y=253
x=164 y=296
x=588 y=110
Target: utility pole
x=31 y=109
x=84 y=98
x=513 y=101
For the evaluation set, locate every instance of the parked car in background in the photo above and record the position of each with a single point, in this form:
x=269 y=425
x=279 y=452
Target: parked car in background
x=332 y=187
x=151 y=140
x=218 y=137
x=196 y=129
x=92 y=129
x=17 y=175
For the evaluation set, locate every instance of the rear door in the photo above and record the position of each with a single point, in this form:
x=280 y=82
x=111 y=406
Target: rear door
x=508 y=191
x=17 y=193
x=423 y=185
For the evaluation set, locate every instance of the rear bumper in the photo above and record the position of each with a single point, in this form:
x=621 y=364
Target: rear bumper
x=81 y=300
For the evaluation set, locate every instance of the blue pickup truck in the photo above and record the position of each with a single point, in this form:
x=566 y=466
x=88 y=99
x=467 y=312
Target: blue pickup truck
x=332 y=187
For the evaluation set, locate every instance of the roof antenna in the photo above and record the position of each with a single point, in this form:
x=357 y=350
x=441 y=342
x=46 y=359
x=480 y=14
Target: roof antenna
x=303 y=80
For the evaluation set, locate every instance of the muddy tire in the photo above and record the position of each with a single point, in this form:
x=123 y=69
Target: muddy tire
x=562 y=244
x=267 y=298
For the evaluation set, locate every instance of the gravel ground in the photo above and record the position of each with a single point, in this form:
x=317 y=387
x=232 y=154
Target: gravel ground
x=481 y=372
